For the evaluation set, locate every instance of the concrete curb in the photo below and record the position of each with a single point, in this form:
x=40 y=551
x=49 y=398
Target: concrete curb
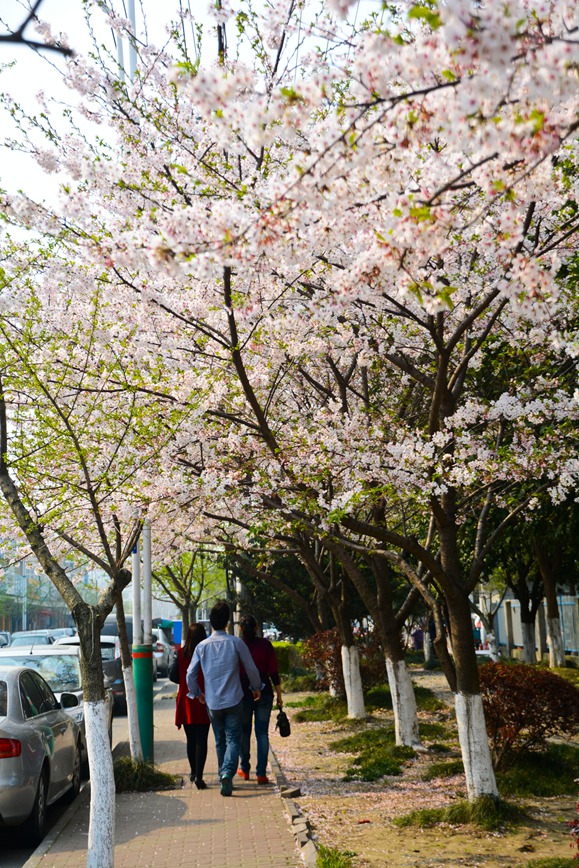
x=300 y=824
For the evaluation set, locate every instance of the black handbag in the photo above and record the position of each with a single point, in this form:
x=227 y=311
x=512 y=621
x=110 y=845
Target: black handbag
x=283 y=724
x=174 y=670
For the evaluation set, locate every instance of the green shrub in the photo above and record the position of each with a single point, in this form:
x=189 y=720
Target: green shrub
x=524 y=705
x=486 y=812
x=299 y=683
x=551 y=772
x=140 y=776
x=287 y=655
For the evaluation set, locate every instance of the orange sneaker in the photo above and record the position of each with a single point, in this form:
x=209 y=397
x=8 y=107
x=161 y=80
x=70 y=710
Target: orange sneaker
x=242 y=774
x=262 y=779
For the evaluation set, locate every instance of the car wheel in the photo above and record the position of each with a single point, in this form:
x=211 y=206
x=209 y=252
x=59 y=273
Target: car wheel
x=33 y=828
x=74 y=790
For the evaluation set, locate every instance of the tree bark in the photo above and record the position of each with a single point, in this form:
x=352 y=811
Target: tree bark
x=554 y=631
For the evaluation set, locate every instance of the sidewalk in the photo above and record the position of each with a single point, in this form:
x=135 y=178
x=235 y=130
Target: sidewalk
x=186 y=826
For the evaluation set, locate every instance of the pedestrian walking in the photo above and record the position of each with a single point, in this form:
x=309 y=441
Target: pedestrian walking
x=219 y=658
x=257 y=712
x=191 y=714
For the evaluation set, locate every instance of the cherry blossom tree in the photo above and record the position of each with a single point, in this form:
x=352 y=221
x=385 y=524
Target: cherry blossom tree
x=78 y=438
x=324 y=260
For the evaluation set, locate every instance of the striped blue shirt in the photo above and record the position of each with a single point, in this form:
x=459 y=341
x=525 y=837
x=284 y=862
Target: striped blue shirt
x=219 y=657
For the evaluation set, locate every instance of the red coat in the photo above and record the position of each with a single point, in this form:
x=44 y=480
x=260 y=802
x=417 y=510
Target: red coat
x=188 y=710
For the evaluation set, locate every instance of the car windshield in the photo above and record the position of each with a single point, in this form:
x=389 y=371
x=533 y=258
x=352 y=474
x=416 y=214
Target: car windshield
x=30 y=640
x=61 y=672
x=3 y=699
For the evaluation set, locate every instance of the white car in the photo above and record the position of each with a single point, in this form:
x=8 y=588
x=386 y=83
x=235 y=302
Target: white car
x=59 y=665
x=163 y=651
x=39 y=750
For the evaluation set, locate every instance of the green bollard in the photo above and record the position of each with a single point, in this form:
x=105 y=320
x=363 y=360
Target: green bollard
x=143 y=678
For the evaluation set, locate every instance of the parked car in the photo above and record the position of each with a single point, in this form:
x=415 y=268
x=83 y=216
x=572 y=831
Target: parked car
x=163 y=651
x=57 y=632
x=59 y=665
x=39 y=750
x=32 y=637
x=112 y=666
x=4 y=638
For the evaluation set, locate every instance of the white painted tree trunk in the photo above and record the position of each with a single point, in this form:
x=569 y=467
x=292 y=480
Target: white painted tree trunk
x=353 y=682
x=427 y=647
x=403 y=704
x=555 y=640
x=528 y=633
x=132 y=717
x=493 y=647
x=101 y=831
x=474 y=744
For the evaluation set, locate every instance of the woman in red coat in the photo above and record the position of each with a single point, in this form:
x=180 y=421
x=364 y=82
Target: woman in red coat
x=191 y=714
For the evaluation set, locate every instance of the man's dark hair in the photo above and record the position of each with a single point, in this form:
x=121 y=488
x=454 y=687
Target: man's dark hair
x=219 y=615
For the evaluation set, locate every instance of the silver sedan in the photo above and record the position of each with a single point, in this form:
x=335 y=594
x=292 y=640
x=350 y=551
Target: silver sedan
x=59 y=665
x=39 y=750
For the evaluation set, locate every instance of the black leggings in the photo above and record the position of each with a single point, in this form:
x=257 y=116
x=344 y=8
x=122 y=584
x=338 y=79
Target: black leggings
x=196 y=734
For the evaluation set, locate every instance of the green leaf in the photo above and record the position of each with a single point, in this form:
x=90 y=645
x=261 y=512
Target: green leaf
x=424 y=13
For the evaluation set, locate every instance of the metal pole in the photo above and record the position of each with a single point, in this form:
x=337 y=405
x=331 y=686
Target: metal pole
x=143 y=654
x=136 y=571
x=132 y=50
x=147 y=585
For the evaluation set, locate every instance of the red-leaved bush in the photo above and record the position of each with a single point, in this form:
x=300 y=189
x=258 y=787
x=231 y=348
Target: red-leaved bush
x=322 y=653
x=524 y=706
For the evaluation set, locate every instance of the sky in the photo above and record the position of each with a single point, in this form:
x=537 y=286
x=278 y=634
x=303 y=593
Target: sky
x=25 y=72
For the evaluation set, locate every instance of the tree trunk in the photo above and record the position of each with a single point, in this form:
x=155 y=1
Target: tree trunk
x=403 y=704
x=353 y=682
x=427 y=646
x=556 y=644
x=100 y=852
x=493 y=647
x=476 y=755
x=554 y=631
x=528 y=654
x=474 y=745
x=399 y=681
x=101 y=838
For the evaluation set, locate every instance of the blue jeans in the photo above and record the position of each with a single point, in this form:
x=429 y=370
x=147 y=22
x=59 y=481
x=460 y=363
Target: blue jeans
x=226 y=723
x=259 y=711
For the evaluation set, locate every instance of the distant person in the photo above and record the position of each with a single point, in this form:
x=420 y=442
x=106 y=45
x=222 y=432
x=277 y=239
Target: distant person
x=258 y=711
x=191 y=714
x=219 y=658
x=417 y=639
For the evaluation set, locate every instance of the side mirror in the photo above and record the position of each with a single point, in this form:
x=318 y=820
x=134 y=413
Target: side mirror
x=69 y=700
x=106 y=682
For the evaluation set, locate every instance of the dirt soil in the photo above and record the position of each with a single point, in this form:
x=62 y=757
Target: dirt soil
x=357 y=816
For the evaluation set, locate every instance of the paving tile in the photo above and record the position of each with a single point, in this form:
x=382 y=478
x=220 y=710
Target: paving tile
x=186 y=826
